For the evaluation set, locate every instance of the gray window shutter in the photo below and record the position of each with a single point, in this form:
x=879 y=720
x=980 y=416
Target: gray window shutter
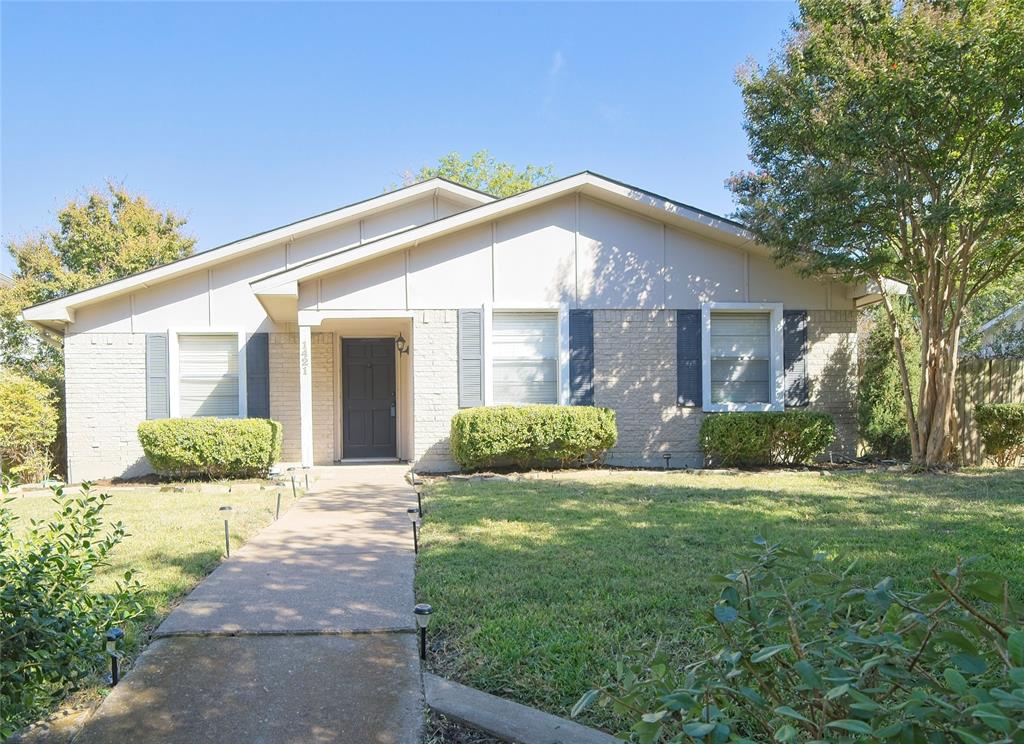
x=581 y=357
x=471 y=358
x=794 y=353
x=688 y=361
x=257 y=375
x=158 y=402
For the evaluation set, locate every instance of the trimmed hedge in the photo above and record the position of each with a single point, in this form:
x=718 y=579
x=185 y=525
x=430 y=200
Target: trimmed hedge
x=1001 y=426
x=522 y=436
x=757 y=439
x=211 y=447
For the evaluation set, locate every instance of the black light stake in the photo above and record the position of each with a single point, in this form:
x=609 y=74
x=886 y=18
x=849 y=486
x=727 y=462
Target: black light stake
x=227 y=532
x=278 y=513
x=422 y=612
x=667 y=456
x=307 y=481
x=413 y=514
x=419 y=500
x=113 y=636
x=295 y=494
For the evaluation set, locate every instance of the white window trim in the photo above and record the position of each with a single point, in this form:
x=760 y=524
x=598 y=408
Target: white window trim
x=777 y=370
x=174 y=373
x=562 y=309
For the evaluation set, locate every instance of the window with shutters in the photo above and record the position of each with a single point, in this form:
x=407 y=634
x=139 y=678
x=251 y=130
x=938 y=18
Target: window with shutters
x=524 y=352
x=742 y=357
x=208 y=375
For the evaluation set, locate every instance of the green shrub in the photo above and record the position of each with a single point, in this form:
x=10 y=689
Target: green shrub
x=211 y=447
x=881 y=411
x=52 y=619
x=1001 y=426
x=28 y=426
x=531 y=435
x=805 y=655
x=756 y=439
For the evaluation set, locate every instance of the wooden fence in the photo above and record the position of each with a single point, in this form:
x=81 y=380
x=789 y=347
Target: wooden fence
x=984 y=381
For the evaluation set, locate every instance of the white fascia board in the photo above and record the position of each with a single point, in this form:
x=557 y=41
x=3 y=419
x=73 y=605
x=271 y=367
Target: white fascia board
x=1002 y=318
x=871 y=289
x=58 y=310
x=584 y=182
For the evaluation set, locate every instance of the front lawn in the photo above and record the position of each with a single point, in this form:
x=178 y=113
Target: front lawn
x=174 y=538
x=539 y=584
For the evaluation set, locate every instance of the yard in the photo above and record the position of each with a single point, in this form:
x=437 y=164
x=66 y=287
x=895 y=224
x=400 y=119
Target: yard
x=539 y=584
x=176 y=537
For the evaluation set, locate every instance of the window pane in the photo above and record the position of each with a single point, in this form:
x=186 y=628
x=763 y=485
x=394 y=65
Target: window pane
x=740 y=335
x=736 y=381
x=208 y=374
x=740 y=357
x=525 y=354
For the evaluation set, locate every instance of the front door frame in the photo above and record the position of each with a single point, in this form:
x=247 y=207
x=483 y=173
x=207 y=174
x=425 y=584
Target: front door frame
x=339 y=396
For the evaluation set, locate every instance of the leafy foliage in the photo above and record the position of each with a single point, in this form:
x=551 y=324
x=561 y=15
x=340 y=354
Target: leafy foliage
x=881 y=407
x=483 y=173
x=28 y=425
x=805 y=654
x=1001 y=426
x=531 y=435
x=104 y=237
x=887 y=142
x=211 y=447
x=754 y=439
x=52 y=621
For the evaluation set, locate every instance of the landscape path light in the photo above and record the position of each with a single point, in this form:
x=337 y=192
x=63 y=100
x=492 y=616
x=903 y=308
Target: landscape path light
x=413 y=516
x=667 y=456
x=113 y=636
x=422 y=613
x=227 y=530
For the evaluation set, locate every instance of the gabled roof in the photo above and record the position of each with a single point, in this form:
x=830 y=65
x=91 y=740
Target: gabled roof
x=285 y=283
x=62 y=309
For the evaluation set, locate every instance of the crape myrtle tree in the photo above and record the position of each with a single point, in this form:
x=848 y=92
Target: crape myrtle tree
x=888 y=141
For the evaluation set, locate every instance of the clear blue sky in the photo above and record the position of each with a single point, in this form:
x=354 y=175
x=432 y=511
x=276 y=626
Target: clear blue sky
x=247 y=116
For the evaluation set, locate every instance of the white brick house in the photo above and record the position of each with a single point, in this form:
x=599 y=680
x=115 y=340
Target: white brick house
x=364 y=329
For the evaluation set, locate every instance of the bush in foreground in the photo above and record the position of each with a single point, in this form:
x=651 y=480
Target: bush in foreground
x=28 y=426
x=804 y=655
x=758 y=439
x=1001 y=426
x=211 y=447
x=52 y=621
x=522 y=436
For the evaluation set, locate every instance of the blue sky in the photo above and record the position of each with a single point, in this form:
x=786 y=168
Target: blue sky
x=246 y=116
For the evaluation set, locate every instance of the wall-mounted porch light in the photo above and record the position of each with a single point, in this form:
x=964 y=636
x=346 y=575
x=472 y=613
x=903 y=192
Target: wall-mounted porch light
x=401 y=344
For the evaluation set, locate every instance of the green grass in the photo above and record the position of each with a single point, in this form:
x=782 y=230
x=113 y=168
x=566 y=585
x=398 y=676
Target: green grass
x=539 y=585
x=174 y=539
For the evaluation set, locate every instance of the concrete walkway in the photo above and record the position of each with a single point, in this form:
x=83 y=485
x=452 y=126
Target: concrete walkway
x=304 y=635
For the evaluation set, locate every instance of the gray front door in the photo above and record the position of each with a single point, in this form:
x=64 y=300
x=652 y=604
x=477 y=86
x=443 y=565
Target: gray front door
x=368 y=397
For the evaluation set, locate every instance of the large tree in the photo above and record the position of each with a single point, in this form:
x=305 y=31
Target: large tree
x=107 y=235
x=483 y=173
x=888 y=141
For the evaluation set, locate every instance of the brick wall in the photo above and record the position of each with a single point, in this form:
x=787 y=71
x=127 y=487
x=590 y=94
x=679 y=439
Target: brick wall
x=435 y=387
x=106 y=400
x=635 y=375
x=284 y=394
x=832 y=372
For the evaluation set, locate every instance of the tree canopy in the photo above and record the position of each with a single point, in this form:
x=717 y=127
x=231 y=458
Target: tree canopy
x=484 y=173
x=888 y=141
x=105 y=236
